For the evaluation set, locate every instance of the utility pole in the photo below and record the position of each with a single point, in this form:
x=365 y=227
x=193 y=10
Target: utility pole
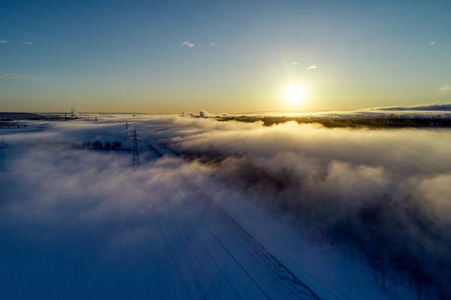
x=127 y=136
x=135 y=148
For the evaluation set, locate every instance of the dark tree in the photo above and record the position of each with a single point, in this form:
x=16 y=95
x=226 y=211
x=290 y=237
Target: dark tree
x=116 y=145
x=97 y=145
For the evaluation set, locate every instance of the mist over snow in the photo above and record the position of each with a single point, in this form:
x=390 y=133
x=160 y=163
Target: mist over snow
x=77 y=220
x=74 y=223
x=382 y=192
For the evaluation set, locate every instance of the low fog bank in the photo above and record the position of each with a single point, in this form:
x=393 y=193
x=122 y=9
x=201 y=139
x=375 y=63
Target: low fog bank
x=52 y=182
x=382 y=195
x=74 y=222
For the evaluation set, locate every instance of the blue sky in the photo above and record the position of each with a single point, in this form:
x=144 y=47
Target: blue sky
x=222 y=56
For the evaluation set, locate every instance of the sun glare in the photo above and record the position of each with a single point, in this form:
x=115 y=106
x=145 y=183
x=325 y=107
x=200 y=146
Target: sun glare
x=294 y=94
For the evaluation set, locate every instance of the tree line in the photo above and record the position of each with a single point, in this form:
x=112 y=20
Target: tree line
x=390 y=121
x=97 y=145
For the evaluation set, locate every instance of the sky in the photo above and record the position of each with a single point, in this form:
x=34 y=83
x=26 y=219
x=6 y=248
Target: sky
x=222 y=56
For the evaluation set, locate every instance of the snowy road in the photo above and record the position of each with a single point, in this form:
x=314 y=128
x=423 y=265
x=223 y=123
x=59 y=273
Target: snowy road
x=211 y=255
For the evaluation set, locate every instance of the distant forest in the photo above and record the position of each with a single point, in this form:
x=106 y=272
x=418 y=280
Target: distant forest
x=389 y=121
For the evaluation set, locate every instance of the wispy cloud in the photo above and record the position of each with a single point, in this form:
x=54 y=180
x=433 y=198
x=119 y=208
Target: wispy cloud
x=187 y=44
x=154 y=29
x=432 y=43
x=18 y=76
x=213 y=43
x=445 y=88
x=28 y=43
x=295 y=63
x=3 y=41
x=312 y=67
x=4 y=75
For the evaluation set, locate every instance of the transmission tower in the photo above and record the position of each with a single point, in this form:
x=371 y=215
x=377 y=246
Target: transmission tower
x=135 y=148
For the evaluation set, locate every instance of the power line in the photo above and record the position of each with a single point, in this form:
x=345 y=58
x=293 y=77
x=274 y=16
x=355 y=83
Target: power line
x=217 y=240
x=174 y=263
x=286 y=278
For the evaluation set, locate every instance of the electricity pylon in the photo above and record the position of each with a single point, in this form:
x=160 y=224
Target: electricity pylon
x=135 y=148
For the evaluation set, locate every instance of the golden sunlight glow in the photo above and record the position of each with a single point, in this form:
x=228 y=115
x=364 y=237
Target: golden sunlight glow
x=294 y=94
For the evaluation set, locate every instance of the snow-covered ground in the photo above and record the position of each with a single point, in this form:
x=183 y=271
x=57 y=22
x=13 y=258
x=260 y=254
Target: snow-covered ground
x=80 y=223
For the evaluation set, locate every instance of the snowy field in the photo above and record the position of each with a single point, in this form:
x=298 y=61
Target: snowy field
x=250 y=212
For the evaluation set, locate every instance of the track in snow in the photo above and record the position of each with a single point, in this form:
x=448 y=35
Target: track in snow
x=220 y=260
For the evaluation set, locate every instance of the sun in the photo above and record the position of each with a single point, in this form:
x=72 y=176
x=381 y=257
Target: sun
x=294 y=94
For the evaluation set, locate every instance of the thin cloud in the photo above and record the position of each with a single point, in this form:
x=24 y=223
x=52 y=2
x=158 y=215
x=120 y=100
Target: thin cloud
x=18 y=76
x=445 y=88
x=295 y=63
x=4 y=75
x=213 y=43
x=432 y=43
x=187 y=44
x=28 y=43
x=312 y=67
x=3 y=41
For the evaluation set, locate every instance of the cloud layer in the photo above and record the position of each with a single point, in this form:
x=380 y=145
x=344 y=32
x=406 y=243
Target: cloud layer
x=74 y=220
x=380 y=193
x=366 y=188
